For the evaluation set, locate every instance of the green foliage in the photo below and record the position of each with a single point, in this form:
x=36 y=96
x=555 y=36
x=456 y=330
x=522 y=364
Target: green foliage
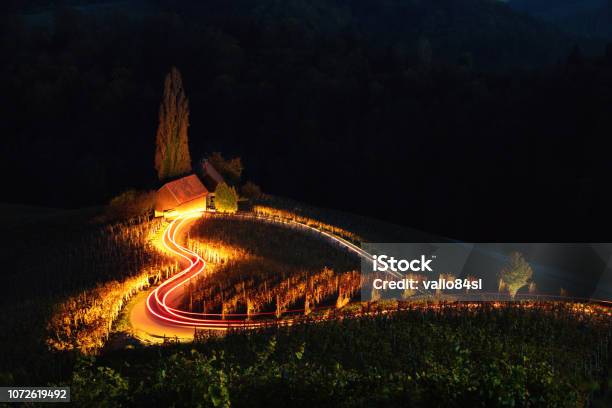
x=516 y=274
x=180 y=379
x=226 y=198
x=230 y=170
x=451 y=356
x=188 y=379
x=97 y=385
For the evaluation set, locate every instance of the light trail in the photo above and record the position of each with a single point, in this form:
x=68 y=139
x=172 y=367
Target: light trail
x=162 y=302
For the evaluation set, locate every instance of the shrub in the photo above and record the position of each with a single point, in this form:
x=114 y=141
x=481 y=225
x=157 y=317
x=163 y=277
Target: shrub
x=130 y=204
x=230 y=169
x=251 y=190
x=226 y=199
x=97 y=386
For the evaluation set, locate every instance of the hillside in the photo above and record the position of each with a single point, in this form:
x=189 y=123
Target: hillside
x=441 y=31
x=542 y=356
x=587 y=18
x=553 y=9
x=312 y=83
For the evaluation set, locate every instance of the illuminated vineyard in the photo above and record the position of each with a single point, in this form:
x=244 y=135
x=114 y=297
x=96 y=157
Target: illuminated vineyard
x=253 y=271
x=84 y=320
x=260 y=269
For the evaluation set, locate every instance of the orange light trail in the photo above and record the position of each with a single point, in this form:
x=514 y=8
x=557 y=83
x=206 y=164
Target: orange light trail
x=161 y=302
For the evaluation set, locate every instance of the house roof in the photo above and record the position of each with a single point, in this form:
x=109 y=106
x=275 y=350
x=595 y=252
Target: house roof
x=210 y=175
x=182 y=190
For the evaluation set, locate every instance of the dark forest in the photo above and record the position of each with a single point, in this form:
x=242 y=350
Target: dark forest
x=464 y=118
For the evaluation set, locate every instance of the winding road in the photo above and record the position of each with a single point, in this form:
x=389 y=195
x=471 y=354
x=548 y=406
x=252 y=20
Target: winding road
x=159 y=316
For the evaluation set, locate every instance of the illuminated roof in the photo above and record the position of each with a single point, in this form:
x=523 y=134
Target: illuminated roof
x=180 y=191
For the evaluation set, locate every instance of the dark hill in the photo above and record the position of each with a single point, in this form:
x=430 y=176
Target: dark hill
x=488 y=32
x=552 y=9
x=384 y=108
x=586 y=18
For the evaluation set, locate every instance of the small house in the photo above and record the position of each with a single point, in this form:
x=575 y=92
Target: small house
x=210 y=175
x=211 y=179
x=179 y=196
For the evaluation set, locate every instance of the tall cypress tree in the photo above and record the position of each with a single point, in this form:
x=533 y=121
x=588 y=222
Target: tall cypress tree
x=172 y=146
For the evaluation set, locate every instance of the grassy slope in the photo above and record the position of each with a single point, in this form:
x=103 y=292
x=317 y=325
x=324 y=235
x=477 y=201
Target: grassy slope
x=371 y=229
x=493 y=357
x=47 y=256
x=24 y=232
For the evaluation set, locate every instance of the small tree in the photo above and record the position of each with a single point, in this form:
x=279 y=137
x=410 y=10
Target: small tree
x=172 y=147
x=230 y=169
x=226 y=198
x=516 y=274
x=251 y=190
